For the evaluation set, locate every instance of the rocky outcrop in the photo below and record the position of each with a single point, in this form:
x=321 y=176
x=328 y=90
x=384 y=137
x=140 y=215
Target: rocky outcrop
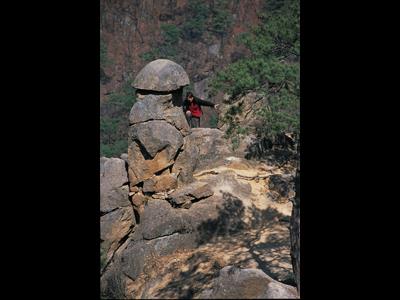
x=160 y=183
x=117 y=219
x=160 y=139
x=204 y=146
x=113 y=184
x=114 y=226
x=163 y=200
x=185 y=196
x=235 y=283
x=161 y=219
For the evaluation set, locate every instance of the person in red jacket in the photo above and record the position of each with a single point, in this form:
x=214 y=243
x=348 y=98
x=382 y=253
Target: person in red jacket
x=192 y=109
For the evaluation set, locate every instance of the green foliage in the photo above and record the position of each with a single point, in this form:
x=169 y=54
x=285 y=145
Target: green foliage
x=114 y=114
x=272 y=68
x=104 y=59
x=213 y=121
x=148 y=56
x=103 y=258
x=197 y=15
x=171 y=33
x=221 y=17
x=168 y=47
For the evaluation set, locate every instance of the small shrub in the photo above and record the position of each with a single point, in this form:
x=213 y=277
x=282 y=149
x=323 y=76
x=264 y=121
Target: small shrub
x=114 y=114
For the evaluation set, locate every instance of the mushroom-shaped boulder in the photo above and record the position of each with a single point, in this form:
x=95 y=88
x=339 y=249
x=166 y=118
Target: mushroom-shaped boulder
x=161 y=75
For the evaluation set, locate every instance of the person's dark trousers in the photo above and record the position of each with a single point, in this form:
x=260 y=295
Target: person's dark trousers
x=194 y=122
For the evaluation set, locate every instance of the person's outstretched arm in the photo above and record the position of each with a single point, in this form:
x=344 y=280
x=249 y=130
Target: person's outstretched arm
x=204 y=102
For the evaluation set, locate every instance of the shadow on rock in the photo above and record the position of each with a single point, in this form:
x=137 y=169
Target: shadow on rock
x=228 y=222
x=235 y=235
x=192 y=281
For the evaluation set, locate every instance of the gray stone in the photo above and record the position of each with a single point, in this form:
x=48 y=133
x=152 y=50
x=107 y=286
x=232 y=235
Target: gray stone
x=169 y=244
x=194 y=191
x=113 y=172
x=161 y=75
x=137 y=254
x=114 y=226
x=124 y=157
x=138 y=199
x=186 y=162
x=176 y=117
x=203 y=191
x=214 y=49
x=202 y=148
x=113 y=177
x=112 y=284
x=141 y=167
x=132 y=259
x=160 y=219
x=201 y=88
x=234 y=283
x=155 y=136
x=114 y=198
x=160 y=183
x=152 y=107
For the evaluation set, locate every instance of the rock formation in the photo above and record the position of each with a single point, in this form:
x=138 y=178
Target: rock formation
x=117 y=216
x=234 y=283
x=179 y=203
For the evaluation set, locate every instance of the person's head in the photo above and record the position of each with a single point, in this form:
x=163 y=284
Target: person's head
x=189 y=96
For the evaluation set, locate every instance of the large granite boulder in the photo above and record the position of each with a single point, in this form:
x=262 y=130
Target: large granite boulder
x=235 y=283
x=155 y=136
x=113 y=198
x=113 y=180
x=202 y=148
x=141 y=168
x=160 y=219
x=190 y=193
x=152 y=107
x=114 y=226
x=160 y=183
x=159 y=107
x=161 y=75
x=112 y=173
x=153 y=148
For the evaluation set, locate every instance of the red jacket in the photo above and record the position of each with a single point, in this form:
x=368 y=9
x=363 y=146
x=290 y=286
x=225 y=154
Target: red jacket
x=195 y=106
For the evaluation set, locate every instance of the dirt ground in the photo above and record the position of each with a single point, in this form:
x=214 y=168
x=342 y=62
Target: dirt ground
x=263 y=243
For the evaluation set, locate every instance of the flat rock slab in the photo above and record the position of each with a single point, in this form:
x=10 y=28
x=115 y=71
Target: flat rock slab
x=160 y=183
x=191 y=192
x=234 y=283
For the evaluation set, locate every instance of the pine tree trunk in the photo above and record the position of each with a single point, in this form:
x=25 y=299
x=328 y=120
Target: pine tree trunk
x=295 y=232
